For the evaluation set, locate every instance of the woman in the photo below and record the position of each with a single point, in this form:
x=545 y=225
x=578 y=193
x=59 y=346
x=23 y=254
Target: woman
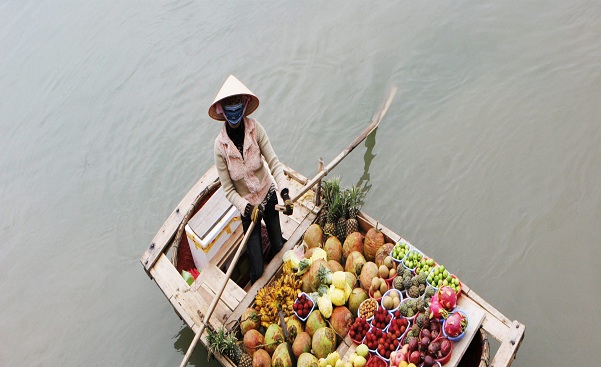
x=239 y=151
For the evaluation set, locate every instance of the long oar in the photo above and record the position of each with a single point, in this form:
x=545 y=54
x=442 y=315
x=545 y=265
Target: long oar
x=230 y=270
x=375 y=121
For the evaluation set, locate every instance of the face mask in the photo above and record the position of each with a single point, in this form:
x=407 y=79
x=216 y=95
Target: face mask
x=233 y=114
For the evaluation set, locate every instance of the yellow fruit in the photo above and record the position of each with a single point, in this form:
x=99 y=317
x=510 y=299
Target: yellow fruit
x=332 y=358
x=360 y=361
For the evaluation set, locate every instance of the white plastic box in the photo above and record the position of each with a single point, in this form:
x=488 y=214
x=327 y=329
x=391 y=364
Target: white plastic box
x=210 y=227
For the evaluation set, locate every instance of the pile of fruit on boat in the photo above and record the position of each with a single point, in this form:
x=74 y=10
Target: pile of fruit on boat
x=358 y=286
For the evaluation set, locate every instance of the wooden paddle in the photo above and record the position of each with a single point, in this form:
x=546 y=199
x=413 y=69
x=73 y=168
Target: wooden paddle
x=217 y=297
x=375 y=121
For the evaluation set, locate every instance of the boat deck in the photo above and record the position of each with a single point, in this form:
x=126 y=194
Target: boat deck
x=189 y=302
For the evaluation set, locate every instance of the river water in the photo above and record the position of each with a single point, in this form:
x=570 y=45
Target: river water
x=489 y=158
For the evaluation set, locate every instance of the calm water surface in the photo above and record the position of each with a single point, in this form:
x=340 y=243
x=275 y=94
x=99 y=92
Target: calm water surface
x=489 y=158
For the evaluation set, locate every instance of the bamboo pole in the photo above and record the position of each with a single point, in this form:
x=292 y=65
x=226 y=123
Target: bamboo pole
x=218 y=295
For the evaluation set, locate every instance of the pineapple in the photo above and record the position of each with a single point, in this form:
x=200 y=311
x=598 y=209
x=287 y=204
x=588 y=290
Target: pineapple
x=226 y=344
x=356 y=196
x=332 y=216
x=341 y=228
x=245 y=361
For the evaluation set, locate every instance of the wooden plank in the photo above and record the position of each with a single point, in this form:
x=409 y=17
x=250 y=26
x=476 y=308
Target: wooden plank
x=271 y=269
x=508 y=349
x=475 y=316
x=168 y=229
x=228 y=248
x=293 y=175
x=213 y=278
x=184 y=300
x=221 y=311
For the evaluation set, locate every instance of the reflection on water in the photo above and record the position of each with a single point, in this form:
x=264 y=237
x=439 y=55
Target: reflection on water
x=200 y=356
x=368 y=157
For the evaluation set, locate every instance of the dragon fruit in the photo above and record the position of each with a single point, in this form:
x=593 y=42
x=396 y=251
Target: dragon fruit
x=436 y=309
x=455 y=324
x=447 y=298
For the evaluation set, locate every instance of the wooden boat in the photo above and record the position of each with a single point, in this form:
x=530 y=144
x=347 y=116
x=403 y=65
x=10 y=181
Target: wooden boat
x=191 y=302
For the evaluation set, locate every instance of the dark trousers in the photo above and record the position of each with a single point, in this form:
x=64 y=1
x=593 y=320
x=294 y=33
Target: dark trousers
x=271 y=217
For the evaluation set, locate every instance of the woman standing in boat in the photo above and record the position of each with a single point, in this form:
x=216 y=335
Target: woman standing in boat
x=247 y=183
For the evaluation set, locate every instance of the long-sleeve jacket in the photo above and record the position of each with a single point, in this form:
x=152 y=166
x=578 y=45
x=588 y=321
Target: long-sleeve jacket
x=247 y=180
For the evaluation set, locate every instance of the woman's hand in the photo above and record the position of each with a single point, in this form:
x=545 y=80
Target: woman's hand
x=254 y=211
x=287 y=202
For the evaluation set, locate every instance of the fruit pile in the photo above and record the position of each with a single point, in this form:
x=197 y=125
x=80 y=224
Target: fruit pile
x=381 y=318
x=359 y=357
x=412 y=258
x=392 y=300
x=440 y=276
x=378 y=287
x=387 y=344
x=372 y=337
x=359 y=328
x=397 y=327
x=367 y=308
x=388 y=297
x=424 y=266
x=303 y=306
x=411 y=306
x=277 y=295
x=399 y=250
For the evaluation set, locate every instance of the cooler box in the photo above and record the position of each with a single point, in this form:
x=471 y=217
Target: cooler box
x=210 y=227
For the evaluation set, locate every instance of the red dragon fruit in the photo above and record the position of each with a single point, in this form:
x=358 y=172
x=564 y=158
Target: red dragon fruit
x=447 y=298
x=455 y=324
x=436 y=309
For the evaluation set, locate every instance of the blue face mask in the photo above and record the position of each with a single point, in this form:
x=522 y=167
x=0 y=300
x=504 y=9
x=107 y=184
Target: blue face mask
x=233 y=114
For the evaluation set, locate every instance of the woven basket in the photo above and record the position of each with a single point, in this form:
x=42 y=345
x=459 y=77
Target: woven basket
x=478 y=352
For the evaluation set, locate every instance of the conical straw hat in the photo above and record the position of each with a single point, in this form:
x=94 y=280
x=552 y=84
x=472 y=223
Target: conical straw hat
x=232 y=87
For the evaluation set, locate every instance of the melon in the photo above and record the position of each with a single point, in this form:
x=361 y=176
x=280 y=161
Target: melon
x=357 y=296
x=335 y=266
x=307 y=360
x=354 y=262
x=313 y=236
x=261 y=359
x=302 y=344
x=252 y=339
x=249 y=320
x=383 y=252
x=333 y=248
x=274 y=336
x=315 y=322
x=281 y=357
x=323 y=342
x=369 y=271
x=353 y=242
x=341 y=321
x=374 y=239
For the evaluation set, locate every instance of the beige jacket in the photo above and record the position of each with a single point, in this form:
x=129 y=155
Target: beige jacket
x=247 y=180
